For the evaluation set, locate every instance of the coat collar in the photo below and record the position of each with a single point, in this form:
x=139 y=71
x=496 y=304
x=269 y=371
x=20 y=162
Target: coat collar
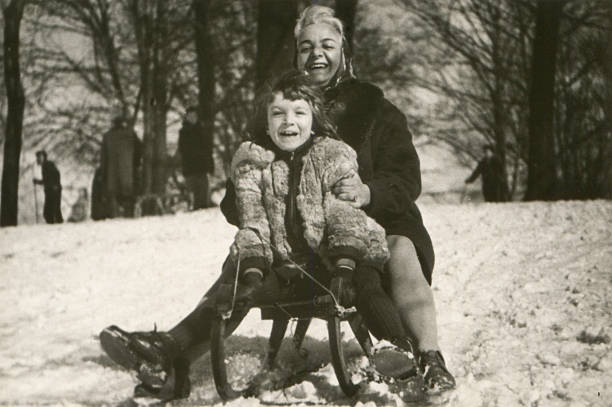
x=353 y=105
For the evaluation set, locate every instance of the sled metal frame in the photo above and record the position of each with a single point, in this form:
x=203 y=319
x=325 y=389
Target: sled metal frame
x=324 y=307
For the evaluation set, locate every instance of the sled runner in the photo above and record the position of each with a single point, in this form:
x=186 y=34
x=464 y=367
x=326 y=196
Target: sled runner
x=288 y=293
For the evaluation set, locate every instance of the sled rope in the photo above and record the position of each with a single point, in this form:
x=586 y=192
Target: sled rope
x=327 y=290
x=228 y=314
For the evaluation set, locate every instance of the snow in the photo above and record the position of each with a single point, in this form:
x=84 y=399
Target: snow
x=523 y=294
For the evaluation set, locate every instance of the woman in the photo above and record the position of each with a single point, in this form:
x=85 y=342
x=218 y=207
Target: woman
x=390 y=169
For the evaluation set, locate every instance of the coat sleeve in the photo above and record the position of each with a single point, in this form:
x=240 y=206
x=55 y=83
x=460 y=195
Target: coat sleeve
x=104 y=157
x=209 y=150
x=476 y=173
x=350 y=232
x=252 y=242
x=228 y=203
x=396 y=181
x=51 y=175
x=138 y=150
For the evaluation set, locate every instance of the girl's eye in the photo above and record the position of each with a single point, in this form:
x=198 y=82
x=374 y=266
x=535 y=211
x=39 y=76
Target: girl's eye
x=300 y=112
x=277 y=113
x=305 y=49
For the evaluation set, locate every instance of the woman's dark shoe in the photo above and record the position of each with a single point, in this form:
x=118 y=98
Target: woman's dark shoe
x=149 y=354
x=436 y=376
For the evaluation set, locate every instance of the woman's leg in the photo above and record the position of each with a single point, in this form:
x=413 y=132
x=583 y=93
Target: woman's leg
x=383 y=320
x=414 y=299
x=411 y=293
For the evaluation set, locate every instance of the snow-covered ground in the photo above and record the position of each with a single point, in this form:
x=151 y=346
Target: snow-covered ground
x=523 y=292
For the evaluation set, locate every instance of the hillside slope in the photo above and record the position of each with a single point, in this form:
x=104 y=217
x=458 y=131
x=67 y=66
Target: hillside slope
x=523 y=294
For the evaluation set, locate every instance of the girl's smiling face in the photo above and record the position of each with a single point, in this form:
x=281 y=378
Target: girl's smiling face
x=289 y=122
x=319 y=54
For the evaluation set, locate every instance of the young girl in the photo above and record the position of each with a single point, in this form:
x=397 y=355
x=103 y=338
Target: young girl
x=288 y=215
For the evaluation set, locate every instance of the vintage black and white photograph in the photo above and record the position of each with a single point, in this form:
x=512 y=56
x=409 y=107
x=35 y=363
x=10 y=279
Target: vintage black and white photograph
x=298 y=203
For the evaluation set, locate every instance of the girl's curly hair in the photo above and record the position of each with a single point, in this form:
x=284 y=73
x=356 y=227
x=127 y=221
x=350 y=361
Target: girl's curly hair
x=294 y=85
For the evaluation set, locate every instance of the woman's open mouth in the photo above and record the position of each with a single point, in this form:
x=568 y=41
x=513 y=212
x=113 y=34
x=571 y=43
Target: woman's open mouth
x=317 y=66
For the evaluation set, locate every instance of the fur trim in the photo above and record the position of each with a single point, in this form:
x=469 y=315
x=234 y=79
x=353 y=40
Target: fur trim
x=251 y=153
x=353 y=107
x=275 y=184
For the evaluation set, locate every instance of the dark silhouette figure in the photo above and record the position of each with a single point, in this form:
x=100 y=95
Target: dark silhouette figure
x=51 y=182
x=197 y=162
x=121 y=153
x=492 y=173
x=99 y=205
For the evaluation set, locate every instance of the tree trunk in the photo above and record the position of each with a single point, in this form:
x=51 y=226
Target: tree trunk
x=206 y=68
x=541 y=177
x=275 y=42
x=499 y=116
x=160 y=97
x=345 y=11
x=13 y=13
x=142 y=17
x=607 y=175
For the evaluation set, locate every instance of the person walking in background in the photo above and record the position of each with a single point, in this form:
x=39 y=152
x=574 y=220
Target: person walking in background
x=490 y=169
x=121 y=154
x=195 y=148
x=52 y=211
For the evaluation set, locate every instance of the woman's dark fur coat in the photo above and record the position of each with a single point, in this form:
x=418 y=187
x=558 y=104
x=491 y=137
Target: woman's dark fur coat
x=388 y=162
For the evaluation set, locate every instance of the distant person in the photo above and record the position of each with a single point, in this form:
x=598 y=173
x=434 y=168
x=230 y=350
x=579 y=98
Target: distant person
x=99 y=204
x=195 y=148
x=79 y=208
x=492 y=173
x=52 y=211
x=121 y=153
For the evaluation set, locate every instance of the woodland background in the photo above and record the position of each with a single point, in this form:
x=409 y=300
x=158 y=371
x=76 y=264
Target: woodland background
x=531 y=77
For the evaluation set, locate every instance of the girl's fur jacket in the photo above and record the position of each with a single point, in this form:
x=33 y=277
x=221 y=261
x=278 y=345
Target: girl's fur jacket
x=332 y=227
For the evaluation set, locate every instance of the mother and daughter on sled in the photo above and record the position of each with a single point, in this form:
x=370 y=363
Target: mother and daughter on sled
x=328 y=179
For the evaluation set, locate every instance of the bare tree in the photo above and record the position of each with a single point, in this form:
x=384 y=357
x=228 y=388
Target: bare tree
x=607 y=62
x=13 y=13
x=346 y=11
x=275 y=44
x=582 y=136
x=478 y=63
x=206 y=66
x=541 y=180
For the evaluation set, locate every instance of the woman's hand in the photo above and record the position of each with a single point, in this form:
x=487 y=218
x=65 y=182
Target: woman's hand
x=351 y=189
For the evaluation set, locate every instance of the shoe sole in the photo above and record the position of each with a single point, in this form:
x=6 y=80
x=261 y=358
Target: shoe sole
x=393 y=364
x=116 y=344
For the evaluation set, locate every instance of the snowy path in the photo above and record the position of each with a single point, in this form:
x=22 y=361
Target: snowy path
x=523 y=294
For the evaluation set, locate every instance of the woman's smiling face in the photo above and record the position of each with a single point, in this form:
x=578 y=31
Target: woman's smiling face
x=289 y=122
x=319 y=54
